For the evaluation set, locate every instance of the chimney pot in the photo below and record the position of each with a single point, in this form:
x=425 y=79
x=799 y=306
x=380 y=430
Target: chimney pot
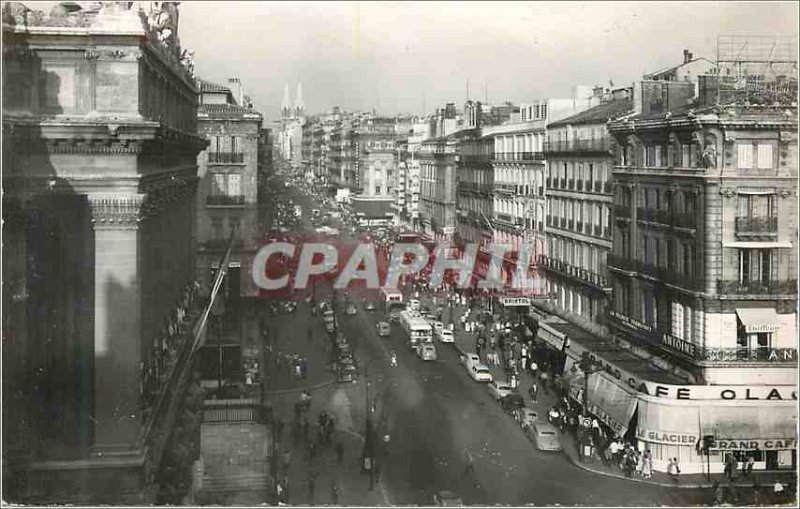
x=686 y=56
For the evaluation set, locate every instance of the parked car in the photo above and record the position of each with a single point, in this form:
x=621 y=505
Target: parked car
x=446 y=336
x=544 y=436
x=383 y=329
x=351 y=309
x=526 y=416
x=445 y=498
x=499 y=389
x=510 y=403
x=480 y=373
x=426 y=352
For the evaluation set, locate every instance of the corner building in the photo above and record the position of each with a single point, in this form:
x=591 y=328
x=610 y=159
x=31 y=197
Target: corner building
x=100 y=174
x=703 y=269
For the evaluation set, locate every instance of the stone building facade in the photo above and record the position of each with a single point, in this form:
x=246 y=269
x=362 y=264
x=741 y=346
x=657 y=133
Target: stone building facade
x=578 y=183
x=100 y=175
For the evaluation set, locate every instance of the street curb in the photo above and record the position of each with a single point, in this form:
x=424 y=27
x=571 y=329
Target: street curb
x=300 y=389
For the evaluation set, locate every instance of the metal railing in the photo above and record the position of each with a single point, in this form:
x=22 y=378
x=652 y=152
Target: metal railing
x=578 y=145
x=225 y=157
x=225 y=199
x=766 y=287
x=573 y=271
x=739 y=354
x=756 y=225
x=667 y=275
x=519 y=156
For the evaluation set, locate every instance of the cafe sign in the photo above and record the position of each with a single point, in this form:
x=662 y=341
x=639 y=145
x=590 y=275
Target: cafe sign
x=666 y=437
x=751 y=445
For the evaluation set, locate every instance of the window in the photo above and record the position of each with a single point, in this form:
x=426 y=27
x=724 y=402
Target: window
x=744 y=159
x=234 y=224
x=219 y=184
x=234 y=184
x=688 y=260
x=657 y=158
x=677 y=320
x=764 y=156
x=757 y=205
x=756 y=265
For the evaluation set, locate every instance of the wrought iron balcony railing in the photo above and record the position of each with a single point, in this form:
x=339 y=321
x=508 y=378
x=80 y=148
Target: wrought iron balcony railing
x=578 y=145
x=756 y=225
x=573 y=271
x=764 y=287
x=225 y=158
x=225 y=199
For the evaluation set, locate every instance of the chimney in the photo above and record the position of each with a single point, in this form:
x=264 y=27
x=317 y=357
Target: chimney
x=687 y=56
x=236 y=88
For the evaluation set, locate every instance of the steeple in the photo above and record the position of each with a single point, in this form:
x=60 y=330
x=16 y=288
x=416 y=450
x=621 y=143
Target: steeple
x=286 y=108
x=299 y=106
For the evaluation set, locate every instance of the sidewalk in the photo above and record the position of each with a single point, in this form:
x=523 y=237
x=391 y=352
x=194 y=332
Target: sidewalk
x=290 y=336
x=353 y=484
x=465 y=343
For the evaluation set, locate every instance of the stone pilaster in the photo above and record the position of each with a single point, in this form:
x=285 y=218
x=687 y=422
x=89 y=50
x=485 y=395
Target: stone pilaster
x=117 y=319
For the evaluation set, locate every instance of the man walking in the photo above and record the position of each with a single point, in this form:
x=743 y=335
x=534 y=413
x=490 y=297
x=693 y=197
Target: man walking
x=470 y=468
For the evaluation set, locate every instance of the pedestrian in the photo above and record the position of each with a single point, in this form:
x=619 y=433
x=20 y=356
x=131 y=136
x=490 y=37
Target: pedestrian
x=329 y=427
x=287 y=460
x=749 y=468
x=647 y=464
x=470 y=468
x=339 y=452
x=334 y=493
x=673 y=469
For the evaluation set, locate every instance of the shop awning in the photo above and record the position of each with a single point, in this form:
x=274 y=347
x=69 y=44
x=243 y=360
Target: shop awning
x=665 y=423
x=773 y=422
x=611 y=403
x=758 y=319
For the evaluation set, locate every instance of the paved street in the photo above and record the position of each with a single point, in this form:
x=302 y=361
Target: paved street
x=437 y=414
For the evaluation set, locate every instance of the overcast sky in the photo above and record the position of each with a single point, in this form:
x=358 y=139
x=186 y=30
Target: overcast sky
x=397 y=56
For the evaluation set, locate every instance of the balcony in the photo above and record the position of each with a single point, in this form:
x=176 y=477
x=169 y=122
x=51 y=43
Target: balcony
x=666 y=217
x=578 y=145
x=225 y=158
x=225 y=200
x=505 y=188
x=519 y=156
x=577 y=273
x=756 y=226
x=571 y=224
x=563 y=222
x=742 y=354
x=662 y=274
x=736 y=287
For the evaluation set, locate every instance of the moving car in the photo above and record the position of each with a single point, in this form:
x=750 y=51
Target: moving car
x=346 y=373
x=526 y=416
x=510 y=403
x=469 y=359
x=413 y=304
x=545 y=436
x=446 y=336
x=480 y=373
x=351 y=309
x=426 y=352
x=499 y=389
x=383 y=329
x=445 y=498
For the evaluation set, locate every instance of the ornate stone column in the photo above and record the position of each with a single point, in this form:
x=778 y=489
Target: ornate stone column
x=117 y=319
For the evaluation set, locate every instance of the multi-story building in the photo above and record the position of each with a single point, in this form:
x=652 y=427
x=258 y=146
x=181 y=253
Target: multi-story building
x=578 y=226
x=227 y=208
x=437 y=196
x=375 y=168
x=99 y=307
x=419 y=132
x=290 y=138
x=704 y=277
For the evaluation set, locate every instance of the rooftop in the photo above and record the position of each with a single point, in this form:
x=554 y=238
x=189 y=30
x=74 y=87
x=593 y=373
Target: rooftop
x=599 y=114
x=227 y=111
x=209 y=87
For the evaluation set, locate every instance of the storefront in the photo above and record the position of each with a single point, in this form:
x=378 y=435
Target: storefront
x=670 y=420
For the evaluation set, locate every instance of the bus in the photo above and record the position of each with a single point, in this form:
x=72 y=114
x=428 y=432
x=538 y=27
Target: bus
x=418 y=329
x=393 y=301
